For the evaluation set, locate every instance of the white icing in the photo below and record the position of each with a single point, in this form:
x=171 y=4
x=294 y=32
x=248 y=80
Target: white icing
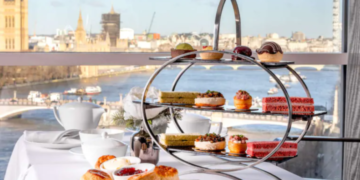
x=210 y=146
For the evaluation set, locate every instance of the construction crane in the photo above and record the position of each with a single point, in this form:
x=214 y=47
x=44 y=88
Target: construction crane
x=152 y=20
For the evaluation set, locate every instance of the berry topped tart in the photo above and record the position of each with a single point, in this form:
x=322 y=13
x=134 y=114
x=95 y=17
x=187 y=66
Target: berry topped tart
x=210 y=99
x=210 y=142
x=237 y=144
x=242 y=100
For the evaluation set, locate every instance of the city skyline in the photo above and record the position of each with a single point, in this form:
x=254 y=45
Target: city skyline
x=313 y=18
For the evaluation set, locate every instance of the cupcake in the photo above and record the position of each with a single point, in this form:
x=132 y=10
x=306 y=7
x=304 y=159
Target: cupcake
x=210 y=99
x=210 y=55
x=237 y=144
x=242 y=100
x=183 y=48
x=270 y=52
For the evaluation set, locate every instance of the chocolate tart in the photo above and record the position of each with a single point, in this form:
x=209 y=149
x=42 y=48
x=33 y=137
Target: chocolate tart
x=178 y=52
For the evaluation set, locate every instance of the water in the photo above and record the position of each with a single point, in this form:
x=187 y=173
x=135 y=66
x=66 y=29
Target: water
x=321 y=84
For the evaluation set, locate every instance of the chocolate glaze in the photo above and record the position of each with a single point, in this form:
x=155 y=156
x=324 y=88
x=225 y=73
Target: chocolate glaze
x=269 y=47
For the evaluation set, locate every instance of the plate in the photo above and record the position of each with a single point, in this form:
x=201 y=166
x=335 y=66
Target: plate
x=241 y=110
x=54 y=146
x=76 y=151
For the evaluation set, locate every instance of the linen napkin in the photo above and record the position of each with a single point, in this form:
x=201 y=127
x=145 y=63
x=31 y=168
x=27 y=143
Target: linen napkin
x=48 y=137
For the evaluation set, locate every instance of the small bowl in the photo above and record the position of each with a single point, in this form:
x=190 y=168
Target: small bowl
x=91 y=134
x=178 y=52
x=143 y=166
x=133 y=161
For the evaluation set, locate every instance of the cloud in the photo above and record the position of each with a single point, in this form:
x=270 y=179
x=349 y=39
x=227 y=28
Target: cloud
x=56 y=3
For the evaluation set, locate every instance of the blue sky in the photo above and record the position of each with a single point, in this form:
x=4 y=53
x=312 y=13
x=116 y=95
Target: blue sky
x=313 y=17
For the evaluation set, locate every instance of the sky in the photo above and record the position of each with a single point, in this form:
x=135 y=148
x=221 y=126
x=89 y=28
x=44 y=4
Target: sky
x=259 y=17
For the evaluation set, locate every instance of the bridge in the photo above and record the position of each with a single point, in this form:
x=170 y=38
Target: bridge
x=10 y=108
x=236 y=67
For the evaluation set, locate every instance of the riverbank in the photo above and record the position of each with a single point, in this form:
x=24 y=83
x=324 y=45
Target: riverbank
x=136 y=70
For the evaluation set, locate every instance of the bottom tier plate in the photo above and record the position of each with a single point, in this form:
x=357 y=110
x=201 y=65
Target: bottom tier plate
x=225 y=154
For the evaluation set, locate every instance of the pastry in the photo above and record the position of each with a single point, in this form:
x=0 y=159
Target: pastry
x=300 y=105
x=178 y=97
x=102 y=159
x=147 y=176
x=166 y=173
x=178 y=139
x=242 y=100
x=237 y=144
x=94 y=174
x=210 y=98
x=243 y=50
x=183 y=48
x=210 y=142
x=210 y=55
x=159 y=173
x=270 y=52
x=263 y=148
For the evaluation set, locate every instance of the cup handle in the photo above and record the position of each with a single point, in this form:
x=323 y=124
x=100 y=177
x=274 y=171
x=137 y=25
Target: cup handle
x=220 y=126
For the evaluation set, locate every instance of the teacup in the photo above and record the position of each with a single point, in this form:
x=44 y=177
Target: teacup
x=91 y=134
x=193 y=123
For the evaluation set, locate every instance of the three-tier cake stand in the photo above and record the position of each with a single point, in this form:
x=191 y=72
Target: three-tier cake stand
x=241 y=162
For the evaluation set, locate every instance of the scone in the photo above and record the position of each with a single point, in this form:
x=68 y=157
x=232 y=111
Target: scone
x=166 y=173
x=103 y=159
x=94 y=174
x=146 y=176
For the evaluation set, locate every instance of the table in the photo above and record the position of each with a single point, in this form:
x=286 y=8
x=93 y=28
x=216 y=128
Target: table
x=29 y=162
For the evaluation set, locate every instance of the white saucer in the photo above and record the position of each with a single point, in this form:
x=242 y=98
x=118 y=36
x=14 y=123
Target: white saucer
x=76 y=151
x=54 y=146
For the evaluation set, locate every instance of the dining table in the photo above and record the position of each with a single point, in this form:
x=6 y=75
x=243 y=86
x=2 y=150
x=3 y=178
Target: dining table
x=31 y=162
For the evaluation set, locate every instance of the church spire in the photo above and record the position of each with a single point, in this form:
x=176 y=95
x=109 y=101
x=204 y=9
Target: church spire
x=112 y=11
x=80 y=25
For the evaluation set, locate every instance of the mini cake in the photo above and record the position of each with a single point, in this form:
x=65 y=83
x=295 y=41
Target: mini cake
x=242 y=100
x=177 y=139
x=183 y=48
x=210 y=55
x=237 y=144
x=210 y=142
x=243 y=50
x=210 y=99
x=178 y=97
x=300 y=105
x=263 y=148
x=270 y=52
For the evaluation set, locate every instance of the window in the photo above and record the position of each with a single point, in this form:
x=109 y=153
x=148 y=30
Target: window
x=313 y=30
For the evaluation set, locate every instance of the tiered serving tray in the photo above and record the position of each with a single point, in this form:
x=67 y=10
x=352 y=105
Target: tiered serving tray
x=242 y=161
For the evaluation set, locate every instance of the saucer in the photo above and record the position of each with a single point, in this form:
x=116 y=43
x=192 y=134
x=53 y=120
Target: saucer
x=76 y=151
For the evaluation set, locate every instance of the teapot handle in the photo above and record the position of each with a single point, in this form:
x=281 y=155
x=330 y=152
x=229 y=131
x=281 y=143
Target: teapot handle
x=57 y=117
x=220 y=126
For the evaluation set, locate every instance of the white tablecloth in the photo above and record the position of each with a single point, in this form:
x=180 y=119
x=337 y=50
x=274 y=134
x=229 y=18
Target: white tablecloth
x=29 y=162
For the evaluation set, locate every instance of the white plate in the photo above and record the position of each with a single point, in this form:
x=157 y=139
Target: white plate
x=76 y=151
x=54 y=146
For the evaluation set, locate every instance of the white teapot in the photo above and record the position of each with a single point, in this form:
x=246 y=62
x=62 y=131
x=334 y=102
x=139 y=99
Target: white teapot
x=78 y=115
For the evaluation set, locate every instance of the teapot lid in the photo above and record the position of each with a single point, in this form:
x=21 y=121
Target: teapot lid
x=193 y=117
x=87 y=105
x=104 y=142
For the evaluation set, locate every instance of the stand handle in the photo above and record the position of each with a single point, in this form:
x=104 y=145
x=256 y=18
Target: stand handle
x=218 y=19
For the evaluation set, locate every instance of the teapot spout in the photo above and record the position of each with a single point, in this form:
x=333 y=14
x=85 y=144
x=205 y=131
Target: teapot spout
x=97 y=112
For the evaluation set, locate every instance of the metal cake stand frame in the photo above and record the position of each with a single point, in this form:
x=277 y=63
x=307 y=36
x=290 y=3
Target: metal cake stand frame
x=242 y=163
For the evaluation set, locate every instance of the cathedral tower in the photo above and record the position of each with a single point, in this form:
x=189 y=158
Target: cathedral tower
x=14 y=25
x=111 y=25
x=80 y=33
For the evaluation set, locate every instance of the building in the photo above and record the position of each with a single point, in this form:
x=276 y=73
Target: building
x=80 y=33
x=127 y=33
x=298 y=36
x=111 y=25
x=14 y=25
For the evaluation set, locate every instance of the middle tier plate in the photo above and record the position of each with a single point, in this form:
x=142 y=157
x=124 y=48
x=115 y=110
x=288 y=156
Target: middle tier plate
x=229 y=109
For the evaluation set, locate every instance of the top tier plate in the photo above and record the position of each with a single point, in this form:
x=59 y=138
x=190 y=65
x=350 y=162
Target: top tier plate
x=222 y=61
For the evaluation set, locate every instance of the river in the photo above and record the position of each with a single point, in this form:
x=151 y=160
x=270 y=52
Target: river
x=224 y=79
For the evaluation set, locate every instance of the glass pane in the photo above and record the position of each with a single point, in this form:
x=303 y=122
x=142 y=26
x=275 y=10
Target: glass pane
x=45 y=86
x=158 y=26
